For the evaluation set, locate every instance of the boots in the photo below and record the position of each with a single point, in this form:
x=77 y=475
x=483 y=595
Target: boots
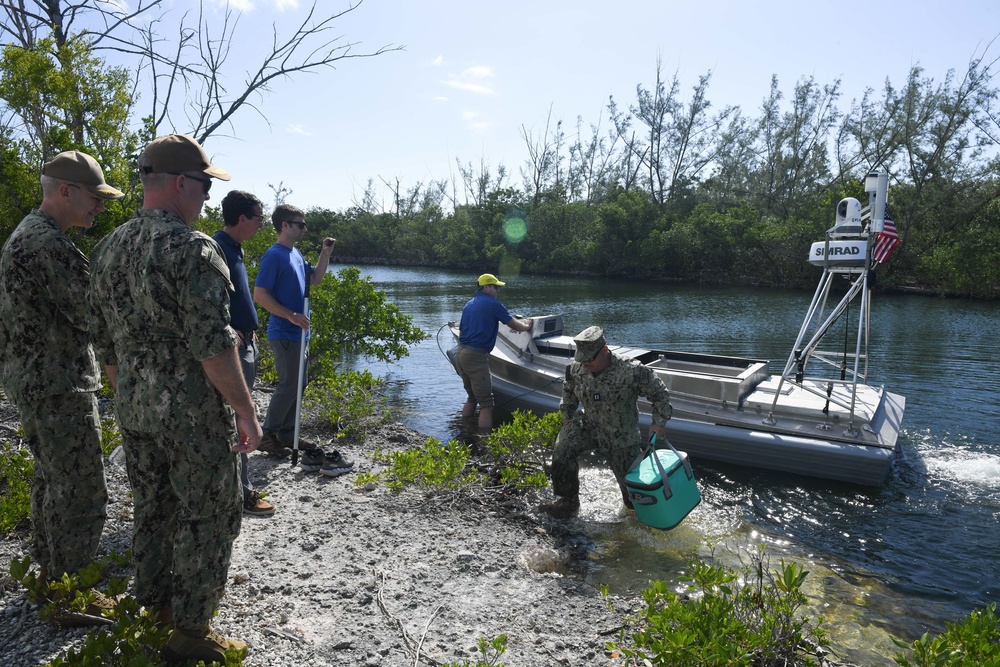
x=205 y=645
x=563 y=507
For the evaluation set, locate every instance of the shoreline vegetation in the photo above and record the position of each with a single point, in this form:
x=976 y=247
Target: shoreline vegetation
x=430 y=555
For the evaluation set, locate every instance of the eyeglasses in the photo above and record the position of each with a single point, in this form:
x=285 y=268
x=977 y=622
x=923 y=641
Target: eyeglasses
x=206 y=183
x=259 y=218
x=97 y=200
x=299 y=223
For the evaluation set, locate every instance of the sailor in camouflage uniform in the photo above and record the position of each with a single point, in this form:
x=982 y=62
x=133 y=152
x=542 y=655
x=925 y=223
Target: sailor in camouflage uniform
x=49 y=369
x=159 y=309
x=608 y=387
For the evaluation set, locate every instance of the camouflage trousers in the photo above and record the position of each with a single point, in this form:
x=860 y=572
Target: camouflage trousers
x=576 y=439
x=69 y=499
x=188 y=507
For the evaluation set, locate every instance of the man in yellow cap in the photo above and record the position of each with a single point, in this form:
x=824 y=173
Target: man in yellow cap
x=49 y=368
x=159 y=313
x=481 y=319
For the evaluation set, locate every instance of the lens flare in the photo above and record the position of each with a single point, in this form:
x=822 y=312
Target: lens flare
x=515 y=228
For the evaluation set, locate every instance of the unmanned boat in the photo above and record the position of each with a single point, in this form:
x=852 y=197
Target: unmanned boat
x=818 y=417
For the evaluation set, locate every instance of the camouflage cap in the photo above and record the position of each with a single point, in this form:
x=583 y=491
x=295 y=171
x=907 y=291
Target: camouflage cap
x=490 y=279
x=177 y=153
x=589 y=342
x=83 y=170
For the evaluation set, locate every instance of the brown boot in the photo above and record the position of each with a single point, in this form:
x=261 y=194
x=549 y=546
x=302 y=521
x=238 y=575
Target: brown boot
x=563 y=508
x=204 y=645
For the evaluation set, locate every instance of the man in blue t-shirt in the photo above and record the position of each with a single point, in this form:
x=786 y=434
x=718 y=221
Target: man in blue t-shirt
x=280 y=289
x=481 y=319
x=243 y=216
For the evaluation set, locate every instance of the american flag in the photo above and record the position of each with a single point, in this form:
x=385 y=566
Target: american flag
x=886 y=241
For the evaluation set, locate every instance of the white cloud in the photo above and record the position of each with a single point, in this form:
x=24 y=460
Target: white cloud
x=473 y=120
x=437 y=62
x=298 y=129
x=239 y=5
x=282 y=5
x=476 y=88
x=479 y=72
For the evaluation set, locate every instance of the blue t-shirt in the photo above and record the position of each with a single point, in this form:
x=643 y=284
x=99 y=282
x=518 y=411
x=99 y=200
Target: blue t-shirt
x=283 y=273
x=480 y=316
x=242 y=313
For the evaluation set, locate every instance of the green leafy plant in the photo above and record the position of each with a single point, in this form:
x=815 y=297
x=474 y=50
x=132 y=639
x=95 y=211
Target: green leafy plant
x=349 y=315
x=433 y=466
x=111 y=437
x=490 y=651
x=512 y=459
x=17 y=469
x=517 y=450
x=974 y=640
x=725 y=617
x=132 y=637
x=350 y=401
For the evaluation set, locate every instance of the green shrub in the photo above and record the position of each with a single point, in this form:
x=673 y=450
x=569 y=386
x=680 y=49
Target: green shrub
x=490 y=650
x=973 y=641
x=512 y=460
x=517 y=450
x=433 y=466
x=349 y=401
x=17 y=469
x=131 y=638
x=725 y=618
x=111 y=437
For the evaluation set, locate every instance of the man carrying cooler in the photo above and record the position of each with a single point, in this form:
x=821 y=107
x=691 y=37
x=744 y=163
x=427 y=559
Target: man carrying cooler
x=609 y=388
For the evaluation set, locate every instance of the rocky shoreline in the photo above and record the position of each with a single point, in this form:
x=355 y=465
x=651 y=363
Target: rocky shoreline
x=342 y=575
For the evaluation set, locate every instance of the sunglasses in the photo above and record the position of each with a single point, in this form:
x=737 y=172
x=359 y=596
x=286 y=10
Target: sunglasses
x=97 y=200
x=206 y=183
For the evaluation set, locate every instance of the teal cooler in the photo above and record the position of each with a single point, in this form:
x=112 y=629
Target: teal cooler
x=662 y=488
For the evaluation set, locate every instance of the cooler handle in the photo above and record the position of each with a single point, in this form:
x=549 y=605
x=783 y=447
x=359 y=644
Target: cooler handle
x=683 y=459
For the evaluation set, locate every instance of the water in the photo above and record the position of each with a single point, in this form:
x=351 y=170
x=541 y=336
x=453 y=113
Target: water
x=899 y=560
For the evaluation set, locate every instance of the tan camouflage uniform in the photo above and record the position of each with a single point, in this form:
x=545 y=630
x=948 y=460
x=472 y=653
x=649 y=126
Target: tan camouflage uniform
x=50 y=372
x=159 y=305
x=609 y=424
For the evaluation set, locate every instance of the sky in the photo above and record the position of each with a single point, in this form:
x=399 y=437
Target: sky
x=473 y=76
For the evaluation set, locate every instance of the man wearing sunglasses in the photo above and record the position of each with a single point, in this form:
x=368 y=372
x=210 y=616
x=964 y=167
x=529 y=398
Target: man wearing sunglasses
x=280 y=289
x=49 y=368
x=243 y=217
x=159 y=317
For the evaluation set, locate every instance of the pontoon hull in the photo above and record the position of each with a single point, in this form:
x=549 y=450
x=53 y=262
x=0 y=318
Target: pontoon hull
x=726 y=409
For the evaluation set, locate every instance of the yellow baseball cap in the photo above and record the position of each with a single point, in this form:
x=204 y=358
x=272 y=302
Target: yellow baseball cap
x=490 y=279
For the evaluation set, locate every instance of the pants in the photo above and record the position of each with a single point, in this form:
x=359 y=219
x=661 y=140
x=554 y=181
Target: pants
x=280 y=416
x=575 y=439
x=474 y=368
x=249 y=356
x=187 y=516
x=69 y=499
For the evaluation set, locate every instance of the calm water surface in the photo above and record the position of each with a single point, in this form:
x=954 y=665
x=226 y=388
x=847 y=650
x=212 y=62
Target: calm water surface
x=898 y=560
